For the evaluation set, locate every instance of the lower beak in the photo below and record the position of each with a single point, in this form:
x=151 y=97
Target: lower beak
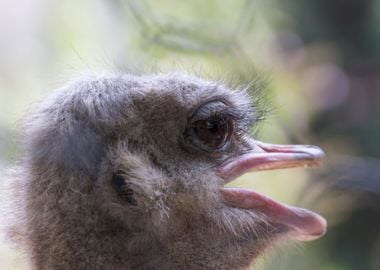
x=272 y=156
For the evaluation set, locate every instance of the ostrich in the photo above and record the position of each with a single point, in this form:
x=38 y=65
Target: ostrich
x=129 y=172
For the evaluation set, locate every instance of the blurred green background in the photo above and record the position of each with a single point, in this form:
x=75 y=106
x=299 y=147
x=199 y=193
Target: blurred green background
x=321 y=60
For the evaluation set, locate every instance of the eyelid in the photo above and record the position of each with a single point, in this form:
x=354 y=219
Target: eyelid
x=220 y=109
x=208 y=109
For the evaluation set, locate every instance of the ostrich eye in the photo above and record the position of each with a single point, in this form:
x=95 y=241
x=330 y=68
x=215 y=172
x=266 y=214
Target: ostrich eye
x=213 y=132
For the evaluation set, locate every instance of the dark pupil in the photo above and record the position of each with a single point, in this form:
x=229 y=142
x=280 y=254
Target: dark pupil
x=212 y=132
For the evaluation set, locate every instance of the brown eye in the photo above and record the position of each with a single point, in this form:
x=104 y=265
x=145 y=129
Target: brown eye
x=214 y=133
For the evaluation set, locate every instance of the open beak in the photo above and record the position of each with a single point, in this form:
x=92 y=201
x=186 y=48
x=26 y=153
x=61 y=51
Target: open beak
x=302 y=224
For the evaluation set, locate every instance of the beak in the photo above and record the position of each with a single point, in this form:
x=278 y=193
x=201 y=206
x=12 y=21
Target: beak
x=272 y=156
x=303 y=224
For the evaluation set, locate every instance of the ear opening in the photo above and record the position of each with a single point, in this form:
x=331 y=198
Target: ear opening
x=123 y=189
x=133 y=183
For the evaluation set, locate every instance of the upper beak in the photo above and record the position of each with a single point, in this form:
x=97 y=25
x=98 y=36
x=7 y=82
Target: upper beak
x=272 y=156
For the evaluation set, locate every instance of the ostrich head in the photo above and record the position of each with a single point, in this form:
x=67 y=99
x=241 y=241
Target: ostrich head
x=129 y=172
